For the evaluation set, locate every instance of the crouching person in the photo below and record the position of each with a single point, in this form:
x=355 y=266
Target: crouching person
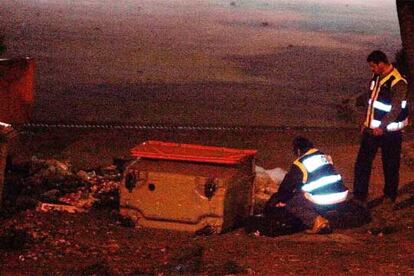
x=311 y=183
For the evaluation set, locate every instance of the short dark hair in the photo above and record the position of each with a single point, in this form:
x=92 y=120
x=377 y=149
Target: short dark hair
x=301 y=143
x=377 y=56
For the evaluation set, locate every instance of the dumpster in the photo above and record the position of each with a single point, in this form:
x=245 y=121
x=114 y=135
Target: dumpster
x=16 y=89
x=188 y=187
x=16 y=103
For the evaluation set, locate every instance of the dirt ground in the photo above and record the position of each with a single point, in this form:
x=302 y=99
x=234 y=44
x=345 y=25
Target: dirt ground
x=99 y=242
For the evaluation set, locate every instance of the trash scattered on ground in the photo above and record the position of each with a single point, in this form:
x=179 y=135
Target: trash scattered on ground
x=47 y=207
x=51 y=185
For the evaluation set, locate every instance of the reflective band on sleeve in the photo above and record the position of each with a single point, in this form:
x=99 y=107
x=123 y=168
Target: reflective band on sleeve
x=327 y=199
x=372 y=85
x=382 y=106
x=375 y=124
x=314 y=162
x=397 y=125
x=404 y=104
x=323 y=181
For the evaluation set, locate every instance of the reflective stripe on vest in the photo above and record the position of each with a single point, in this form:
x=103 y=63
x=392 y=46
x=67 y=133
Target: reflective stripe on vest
x=382 y=106
x=321 y=182
x=319 y=175
x=394 y=126
x=377 y=108
x=327 y=199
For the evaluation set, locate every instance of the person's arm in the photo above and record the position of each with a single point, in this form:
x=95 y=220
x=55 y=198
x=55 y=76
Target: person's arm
x=290 y=183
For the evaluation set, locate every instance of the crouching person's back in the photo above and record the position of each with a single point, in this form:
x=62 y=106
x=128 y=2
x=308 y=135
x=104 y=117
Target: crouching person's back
x=311 y=184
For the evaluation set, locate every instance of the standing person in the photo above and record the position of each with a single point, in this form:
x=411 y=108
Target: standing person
x=386 y=117
x=311 y=183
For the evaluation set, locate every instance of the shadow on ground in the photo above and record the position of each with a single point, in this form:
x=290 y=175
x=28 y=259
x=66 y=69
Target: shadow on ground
x=280 y=222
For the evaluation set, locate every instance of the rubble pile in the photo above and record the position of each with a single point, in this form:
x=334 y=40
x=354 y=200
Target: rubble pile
x=52 y=185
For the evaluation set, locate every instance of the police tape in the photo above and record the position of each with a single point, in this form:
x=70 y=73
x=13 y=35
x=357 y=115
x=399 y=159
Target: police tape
x=126 y=126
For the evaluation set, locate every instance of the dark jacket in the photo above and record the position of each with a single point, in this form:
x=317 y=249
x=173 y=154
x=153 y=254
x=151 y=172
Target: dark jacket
x=300 y=178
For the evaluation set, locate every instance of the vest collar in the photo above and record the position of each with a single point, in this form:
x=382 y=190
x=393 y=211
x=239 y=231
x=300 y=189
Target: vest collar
x=388 y=76
x=310 y=151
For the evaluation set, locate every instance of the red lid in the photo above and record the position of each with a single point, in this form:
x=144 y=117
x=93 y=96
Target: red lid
x=190 y=152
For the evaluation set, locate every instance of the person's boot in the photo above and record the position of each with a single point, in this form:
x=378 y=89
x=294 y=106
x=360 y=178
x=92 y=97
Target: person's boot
x=320 y=226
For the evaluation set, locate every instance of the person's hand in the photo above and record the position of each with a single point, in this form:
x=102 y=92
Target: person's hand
x=377 y=131
x=280 y=205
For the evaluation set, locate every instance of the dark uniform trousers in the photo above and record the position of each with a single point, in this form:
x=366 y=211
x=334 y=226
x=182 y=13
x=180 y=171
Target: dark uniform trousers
x=302 y=208
x=390 y=144
x=298 y=206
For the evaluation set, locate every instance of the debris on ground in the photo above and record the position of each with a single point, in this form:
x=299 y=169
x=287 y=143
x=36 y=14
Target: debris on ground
x=52 y=185
x=49 y=184
x=47 y=207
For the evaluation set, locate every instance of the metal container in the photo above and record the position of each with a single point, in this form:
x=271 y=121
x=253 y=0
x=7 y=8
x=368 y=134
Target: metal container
x=16 y=89
x=188 y=187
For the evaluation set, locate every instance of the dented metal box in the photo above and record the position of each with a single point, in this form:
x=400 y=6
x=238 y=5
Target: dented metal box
x=188 y=187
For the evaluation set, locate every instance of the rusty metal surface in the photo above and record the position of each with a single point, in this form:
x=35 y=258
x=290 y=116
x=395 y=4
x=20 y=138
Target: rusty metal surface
x=191 y=152
x=16 y=89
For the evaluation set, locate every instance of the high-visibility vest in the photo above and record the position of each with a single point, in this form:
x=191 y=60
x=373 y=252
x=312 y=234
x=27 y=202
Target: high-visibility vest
x=320 y=181
x=380 y=102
